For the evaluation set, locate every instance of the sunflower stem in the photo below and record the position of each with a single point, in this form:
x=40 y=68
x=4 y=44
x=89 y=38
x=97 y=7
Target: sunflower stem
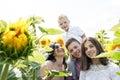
x=4 y=72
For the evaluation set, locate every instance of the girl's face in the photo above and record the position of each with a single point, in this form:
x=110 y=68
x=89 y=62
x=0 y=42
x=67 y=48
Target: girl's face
x=59 y=51
x=90 y=49
x=75 y=50
x=64 y=24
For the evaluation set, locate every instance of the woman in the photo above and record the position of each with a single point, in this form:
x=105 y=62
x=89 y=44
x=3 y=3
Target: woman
x=54 y=61
x=73 y=63
x=96 y=68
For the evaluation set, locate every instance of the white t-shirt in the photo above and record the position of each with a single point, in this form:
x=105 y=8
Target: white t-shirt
x=73 y=32
x=101 y=72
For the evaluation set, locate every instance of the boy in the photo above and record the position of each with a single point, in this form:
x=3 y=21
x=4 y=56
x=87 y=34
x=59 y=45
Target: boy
x=70 y=31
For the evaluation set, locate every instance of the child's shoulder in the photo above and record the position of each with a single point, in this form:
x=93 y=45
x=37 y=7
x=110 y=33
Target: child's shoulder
x=74 y=27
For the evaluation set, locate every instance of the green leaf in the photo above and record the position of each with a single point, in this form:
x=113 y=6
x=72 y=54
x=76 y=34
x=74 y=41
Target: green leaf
x=35 y=20
x=116 y=27
x=20 y=65
x=105 y=54
x=118 y=73
x=116 y=41
x=57 y=73
x=12 y=75
x=53 y=31
x=105 y=37
x=117 y=33
x=42 y=30
x=38 y=20
x=61 y=73
x=50 y=31
x=37 y=57
x=115 y=55
x=47 y=49
x=3 y=25
x=34 y=65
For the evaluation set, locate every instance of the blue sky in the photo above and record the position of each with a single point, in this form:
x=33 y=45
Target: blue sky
x=90 y=15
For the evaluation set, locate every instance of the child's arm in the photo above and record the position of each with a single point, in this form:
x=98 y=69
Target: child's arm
x=83 y=37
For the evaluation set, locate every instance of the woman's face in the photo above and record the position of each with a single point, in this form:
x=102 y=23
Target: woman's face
x=90 y=49
x=59 y=51
x=75 y=50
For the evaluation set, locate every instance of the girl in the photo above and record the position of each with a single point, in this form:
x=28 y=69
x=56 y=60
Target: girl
x=96 y=68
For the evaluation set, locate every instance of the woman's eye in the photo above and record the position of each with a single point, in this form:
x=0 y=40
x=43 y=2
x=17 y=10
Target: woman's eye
x=61 y=24
x=91 y=46
x=56 y=47
x=85 y=49
x=65 y=22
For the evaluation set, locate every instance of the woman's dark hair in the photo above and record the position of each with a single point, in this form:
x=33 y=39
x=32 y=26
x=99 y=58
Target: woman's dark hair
x=51 y=53
x=69 y=41
x=51 y=56
x=86 y=61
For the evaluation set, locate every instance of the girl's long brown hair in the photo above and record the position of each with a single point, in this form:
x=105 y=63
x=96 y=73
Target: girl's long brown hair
x=86 y=61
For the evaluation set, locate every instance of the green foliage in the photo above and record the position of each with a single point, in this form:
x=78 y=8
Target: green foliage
x=10 y=52
x=33 y=21
x=116 y=41
x=50 y=31
x=11 y=73
x=13 y=76
x=115 y=55
x=53 y=73
x=118 y=73
x=3 y=25
x=116 y=27
x=27 y=60
x=42 y=30
x=29 y=70
x=102 y=37
x=116 y=30
x=37 y=57
x=47 y=49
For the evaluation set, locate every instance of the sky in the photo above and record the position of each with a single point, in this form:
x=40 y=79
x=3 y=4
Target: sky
x=90 y=15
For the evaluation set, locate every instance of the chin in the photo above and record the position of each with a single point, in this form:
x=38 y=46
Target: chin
x=91 y=57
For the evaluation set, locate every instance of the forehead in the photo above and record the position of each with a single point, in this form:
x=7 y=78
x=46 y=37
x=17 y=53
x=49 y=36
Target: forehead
x=73 y=44
x=63 y=19
x=57 y=44
x=88 y=43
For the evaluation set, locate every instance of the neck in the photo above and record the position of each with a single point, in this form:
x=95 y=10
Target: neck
x=78 y=59
x=59 y=61
x=96 y=61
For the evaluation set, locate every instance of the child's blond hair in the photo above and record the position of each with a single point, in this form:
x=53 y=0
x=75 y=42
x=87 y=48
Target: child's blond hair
x=62 y=16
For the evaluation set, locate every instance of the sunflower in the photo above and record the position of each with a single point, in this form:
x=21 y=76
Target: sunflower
x=59 y=40
x=111 y=47
x=15 y=36
x=16 y=41
x=44 y=41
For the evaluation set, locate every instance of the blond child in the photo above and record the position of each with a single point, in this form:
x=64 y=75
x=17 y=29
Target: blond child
x=70 y=31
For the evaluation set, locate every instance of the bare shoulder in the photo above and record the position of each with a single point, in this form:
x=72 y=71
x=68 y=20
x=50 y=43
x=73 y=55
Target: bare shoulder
x=47 y=64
